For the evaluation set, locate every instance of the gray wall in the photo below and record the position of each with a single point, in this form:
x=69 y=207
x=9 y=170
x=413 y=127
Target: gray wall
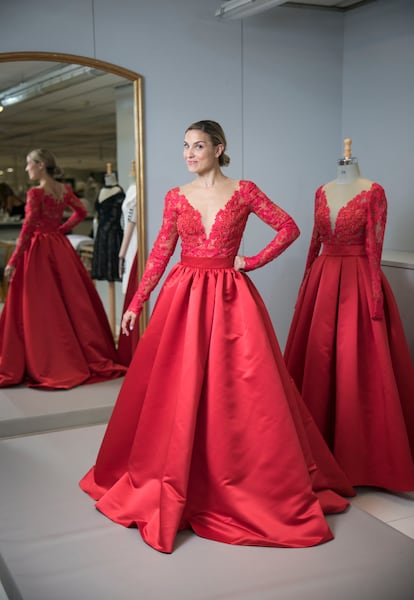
x=287 y=86
x=378 y=106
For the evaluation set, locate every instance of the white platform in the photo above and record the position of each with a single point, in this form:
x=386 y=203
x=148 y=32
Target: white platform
x=54 y=545
x=25 y=410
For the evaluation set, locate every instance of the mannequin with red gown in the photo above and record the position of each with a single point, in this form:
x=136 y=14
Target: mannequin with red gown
x=54 y=332
x=346 y=348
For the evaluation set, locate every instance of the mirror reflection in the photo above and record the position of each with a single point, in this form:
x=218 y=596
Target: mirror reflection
x=89 y=115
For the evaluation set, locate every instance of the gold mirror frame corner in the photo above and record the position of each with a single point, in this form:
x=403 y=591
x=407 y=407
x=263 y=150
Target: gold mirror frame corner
x=137 y=81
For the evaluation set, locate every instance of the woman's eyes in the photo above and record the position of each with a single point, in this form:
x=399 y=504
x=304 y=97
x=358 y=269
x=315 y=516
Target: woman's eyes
x=197 y=146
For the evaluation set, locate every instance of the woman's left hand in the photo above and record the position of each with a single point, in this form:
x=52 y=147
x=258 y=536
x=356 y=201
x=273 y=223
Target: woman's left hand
x=239 y=263
x=9 y=272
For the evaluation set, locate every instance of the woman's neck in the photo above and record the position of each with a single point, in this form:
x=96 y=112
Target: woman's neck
x=210 y=179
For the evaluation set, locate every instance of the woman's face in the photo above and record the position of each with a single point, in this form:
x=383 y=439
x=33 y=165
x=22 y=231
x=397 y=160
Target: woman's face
x=33 y=168
x=199 y=152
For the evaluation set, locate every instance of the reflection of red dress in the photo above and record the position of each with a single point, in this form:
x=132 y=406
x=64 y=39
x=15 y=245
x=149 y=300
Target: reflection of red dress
x=54 y=332
x=208 y=431
x=346 y=348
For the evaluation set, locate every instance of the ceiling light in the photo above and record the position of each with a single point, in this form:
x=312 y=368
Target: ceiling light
x=237 y=9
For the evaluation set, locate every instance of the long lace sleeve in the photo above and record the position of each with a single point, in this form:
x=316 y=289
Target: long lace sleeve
x=32 y=217
x=279 y=220
x=375 y=230
x=78 y=214
x=159 y=256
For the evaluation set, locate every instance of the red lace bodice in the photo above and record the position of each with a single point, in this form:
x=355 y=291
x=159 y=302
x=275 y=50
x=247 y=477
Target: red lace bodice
x=361 y=221
x=44 y=214
x=182 y=220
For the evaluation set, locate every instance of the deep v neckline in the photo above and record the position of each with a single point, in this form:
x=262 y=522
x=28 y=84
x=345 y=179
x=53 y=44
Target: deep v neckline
x=219 y=211
x=332 y=226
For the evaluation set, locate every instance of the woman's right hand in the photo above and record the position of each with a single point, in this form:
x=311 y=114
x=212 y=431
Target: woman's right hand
x=8 y=272
x=239 y=263
x=128 y=322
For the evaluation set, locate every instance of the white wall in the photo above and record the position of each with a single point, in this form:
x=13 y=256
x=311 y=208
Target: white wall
x=285 y=85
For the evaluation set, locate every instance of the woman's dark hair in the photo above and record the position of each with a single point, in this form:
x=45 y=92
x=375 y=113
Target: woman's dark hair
x=40 y=155
x=216 y=134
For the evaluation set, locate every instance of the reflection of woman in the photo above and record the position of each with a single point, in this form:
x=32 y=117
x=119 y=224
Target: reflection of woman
x=346 y=348
x=208 y=431
x=54 y=331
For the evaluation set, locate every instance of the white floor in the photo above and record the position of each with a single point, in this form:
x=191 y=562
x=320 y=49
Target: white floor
x=55 y=546
x=25 y=413
x=395 y=509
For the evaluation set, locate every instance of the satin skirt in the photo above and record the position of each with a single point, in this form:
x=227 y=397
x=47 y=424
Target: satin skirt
x=208 y=431
x=355 y=374
x=54 y=332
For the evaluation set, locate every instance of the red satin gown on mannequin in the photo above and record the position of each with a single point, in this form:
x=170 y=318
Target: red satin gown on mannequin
x=208 y=431
x=54 y=332
x=346 y=348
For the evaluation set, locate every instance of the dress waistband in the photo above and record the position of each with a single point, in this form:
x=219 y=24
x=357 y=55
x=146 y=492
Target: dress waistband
x=207 y=263
x=337 y=250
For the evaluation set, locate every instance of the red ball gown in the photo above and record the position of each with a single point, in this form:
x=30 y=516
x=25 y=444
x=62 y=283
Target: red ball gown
x=347 y=350
x=54 y=332
x=209 y=431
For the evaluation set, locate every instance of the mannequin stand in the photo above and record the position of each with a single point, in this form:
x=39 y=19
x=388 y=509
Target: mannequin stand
x=112 y=306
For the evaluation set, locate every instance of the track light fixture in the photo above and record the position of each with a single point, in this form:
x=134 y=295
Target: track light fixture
x=238 y=9
x=51 y=80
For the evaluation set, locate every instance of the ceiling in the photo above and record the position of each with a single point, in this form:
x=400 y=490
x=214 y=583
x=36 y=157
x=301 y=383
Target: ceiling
x=76 y=121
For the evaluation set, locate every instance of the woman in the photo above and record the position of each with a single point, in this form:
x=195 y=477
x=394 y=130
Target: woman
x=346 y=348
x=54 y=331
x=208 y=432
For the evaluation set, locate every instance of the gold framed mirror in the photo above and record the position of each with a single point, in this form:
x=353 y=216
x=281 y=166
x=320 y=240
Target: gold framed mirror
x=102 y=154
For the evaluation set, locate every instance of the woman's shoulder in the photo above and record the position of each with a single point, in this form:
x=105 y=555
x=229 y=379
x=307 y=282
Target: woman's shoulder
x=35 y=193
x=247 y=184
x=173 y=193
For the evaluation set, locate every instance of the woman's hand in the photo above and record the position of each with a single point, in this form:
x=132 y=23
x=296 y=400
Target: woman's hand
x=9 y=272
x=239 y=263
x=128 y=322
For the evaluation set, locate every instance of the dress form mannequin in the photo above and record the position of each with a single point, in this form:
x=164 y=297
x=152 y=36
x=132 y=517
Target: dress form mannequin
x=346 y=348
x=128 y=267
x=347 y=185
x=108 y=237
x=129 y=241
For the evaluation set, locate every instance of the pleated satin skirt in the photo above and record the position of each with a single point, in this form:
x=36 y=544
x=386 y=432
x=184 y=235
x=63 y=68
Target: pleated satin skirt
x=355 y=374
x=208 y=431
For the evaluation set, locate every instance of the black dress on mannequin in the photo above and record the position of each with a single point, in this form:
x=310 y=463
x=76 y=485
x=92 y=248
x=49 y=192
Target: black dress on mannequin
x=109 y=234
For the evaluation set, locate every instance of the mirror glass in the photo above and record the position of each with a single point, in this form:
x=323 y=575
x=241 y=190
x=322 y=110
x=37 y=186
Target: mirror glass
x=89 y=114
